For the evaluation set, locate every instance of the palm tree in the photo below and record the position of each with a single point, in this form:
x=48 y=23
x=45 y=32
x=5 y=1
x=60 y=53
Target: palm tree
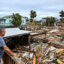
x=62 y=16
x=50 y=21
x=53 y=20
x=32 y=14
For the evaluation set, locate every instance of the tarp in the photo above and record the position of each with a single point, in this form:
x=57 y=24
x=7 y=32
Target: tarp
x=10 y=32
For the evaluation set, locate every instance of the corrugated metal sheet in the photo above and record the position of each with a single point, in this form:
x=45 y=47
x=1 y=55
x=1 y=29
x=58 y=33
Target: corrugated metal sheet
x=10 y=32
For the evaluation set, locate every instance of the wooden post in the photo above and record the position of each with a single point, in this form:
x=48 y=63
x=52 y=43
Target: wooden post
x=34 y=59
x=29 y=41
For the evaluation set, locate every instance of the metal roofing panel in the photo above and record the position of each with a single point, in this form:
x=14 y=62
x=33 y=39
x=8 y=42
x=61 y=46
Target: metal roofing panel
x=15 y=31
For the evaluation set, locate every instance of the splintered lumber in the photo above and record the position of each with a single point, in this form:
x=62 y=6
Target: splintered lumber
x=38 y=55
x=59 y=61
x=59 y=53
x=59 y=50
x=34 y=59
x=56 y=44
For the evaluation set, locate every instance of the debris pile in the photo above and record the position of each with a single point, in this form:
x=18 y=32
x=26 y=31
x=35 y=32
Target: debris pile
x=41 y=53
x=55 y=39
x=46 y=48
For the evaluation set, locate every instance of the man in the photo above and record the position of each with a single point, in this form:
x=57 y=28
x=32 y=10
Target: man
x=3 y=46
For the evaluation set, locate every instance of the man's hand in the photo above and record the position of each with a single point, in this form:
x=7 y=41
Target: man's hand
x=15 y=54
x=6 y=49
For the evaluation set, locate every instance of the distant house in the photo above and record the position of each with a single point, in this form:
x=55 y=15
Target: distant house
x=43 y=19
x=24 y=20
x=6 y=21
x=24 y=23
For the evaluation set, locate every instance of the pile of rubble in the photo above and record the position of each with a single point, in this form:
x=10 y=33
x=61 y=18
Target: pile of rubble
x=40 y=53
x=46 y=48
x=55 y=39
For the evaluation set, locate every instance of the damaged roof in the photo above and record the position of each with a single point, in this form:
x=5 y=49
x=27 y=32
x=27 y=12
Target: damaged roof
x=11 y=32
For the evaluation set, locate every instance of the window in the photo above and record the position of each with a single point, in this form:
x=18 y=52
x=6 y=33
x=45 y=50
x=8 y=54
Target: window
x=23 y=21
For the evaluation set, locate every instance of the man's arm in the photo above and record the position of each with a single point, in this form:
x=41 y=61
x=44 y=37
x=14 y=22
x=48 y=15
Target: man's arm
x=6 y=49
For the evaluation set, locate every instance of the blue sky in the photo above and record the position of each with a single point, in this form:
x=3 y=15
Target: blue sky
x=43 y=8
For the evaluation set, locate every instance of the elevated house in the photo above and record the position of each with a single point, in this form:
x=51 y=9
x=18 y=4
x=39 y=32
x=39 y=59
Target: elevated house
x=24 y=22
x=43 y=19
x=6 y=21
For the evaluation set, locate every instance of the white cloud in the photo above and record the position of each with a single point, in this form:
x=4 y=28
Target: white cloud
x=49 y=15
x=46 y=14
x=42 y=7
x=22 y=13
x=55 y=7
